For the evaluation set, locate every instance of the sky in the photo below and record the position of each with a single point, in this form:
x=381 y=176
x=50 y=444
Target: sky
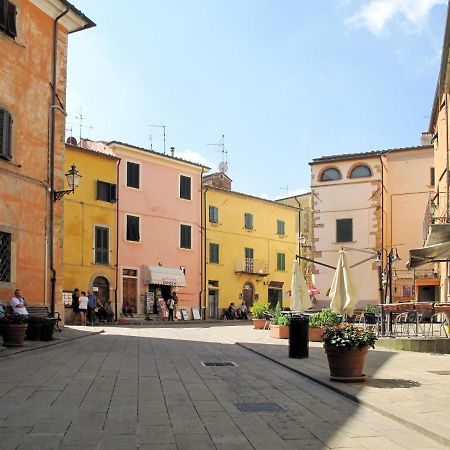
x=285 y=81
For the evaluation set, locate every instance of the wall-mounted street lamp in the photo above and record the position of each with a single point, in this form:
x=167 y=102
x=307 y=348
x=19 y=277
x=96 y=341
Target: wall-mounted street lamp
x=73 y=180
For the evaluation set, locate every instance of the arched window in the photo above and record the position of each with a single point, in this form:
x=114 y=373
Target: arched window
x=330 y=174
x=360 y=172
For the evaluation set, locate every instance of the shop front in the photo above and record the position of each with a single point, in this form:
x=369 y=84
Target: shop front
x=160 y=282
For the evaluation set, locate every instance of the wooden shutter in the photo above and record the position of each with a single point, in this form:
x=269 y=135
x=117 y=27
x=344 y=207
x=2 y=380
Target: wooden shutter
x=112 y=193
x=248 y=221
x=11 y=20
x=5 y=134
x=213 y=214
x=3 y=14
x=281 y=261
x=133 y=228
x=344 y=230
x=101 y=245
x=185 y=187
x=214 y=253
x=280 y=227
x=185 y=236
x=132 y=175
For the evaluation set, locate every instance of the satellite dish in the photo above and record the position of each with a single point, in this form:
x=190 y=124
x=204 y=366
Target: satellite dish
x=72 y=141
x=223 y=167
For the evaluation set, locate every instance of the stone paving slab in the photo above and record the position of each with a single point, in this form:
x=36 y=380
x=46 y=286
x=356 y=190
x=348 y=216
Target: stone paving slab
x=145 y=388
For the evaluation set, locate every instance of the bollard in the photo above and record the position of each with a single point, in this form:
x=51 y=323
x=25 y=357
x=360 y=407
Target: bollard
x=298 y=337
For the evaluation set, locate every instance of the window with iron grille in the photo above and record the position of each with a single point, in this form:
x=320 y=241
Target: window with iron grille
x=281 y=261
x=248 y=221
x=133 y=228
x=8 y=12
x=133 y=175
x=214 y=253
x=280 y=227
x=214 y=214
x=5 y=257
x=344 y=230
x=185 y=236
x=5 y=134
x=185 y=187
x=249 y=259
x=101 y=245
x=106 y=192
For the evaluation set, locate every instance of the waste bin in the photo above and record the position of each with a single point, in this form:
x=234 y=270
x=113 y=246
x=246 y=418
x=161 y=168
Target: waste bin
x=298 y=337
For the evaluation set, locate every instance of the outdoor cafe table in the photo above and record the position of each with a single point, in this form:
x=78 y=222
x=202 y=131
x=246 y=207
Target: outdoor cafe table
x=399 y=308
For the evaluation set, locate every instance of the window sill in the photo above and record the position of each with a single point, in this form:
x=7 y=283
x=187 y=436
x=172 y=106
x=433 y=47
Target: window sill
x=185 y=199
x=343 y=243
x=185 y=249
x=133 y=242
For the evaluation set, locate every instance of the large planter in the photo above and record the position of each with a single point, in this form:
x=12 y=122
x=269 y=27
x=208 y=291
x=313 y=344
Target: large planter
x=13 y=335
x=347 y=365
x=279 y=331
x=315 y=334
x=40 y=330
x=258 y=324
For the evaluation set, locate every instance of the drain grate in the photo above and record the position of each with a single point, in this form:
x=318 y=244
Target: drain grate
x=440 y=372
x=259 y=407
x=219 y=364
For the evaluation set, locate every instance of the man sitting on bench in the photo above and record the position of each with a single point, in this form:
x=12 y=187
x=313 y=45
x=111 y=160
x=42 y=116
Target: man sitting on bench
x=18 y=304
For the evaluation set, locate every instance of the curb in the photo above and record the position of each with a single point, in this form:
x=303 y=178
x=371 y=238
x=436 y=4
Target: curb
x=6 y=354
x=422 y=430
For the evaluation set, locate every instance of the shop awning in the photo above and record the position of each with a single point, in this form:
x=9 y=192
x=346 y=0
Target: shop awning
x=167 y=276
x=430 y=254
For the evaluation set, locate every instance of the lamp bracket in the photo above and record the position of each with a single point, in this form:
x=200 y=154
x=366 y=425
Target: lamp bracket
x=58 y=195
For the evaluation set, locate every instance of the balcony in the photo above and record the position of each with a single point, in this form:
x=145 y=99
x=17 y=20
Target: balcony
x=252 y=266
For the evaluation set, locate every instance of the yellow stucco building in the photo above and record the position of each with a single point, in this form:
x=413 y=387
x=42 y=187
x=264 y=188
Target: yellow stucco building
x=249 y=247
x=89 y=254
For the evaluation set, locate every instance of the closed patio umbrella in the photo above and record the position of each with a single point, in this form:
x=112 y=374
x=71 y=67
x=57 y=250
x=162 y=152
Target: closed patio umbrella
x=343 y=292
x=300 y=300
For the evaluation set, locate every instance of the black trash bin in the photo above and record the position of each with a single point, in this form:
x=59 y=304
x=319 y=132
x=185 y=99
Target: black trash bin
x=298 y=337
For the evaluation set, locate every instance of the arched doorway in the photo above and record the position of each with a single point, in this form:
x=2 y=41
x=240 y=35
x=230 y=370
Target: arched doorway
x=101 y=289
x=248 y=294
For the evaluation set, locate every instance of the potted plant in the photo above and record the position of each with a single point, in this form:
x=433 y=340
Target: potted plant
x=319 y=321
x=13 y=328
x=258 y=311
x=346 y=347
x=279 y=328
x=40 y=328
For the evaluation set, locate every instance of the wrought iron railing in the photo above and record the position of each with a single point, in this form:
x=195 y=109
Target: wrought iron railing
x=250 y=265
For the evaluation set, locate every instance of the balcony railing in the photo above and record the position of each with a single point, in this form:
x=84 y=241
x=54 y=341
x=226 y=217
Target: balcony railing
x=253 y=266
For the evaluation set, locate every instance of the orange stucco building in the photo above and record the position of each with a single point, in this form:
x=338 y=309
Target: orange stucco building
x=33 y=66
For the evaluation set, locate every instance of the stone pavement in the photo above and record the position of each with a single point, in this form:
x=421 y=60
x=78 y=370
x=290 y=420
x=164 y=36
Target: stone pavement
x=146 y=388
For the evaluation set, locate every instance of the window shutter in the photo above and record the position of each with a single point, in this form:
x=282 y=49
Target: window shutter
x=133 y=228
x=5 y=134
x=11 y=19
x=185 y=236
x=248 y=221
x=3 y=14
x=133 y=175
x=112 y=193
x=344 y=230
x=185 y=187
x=213 y=214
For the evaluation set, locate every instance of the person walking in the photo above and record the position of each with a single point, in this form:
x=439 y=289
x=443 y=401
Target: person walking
x=170 y=307
x=83 y=302
x=92 y=305
x=76 y=305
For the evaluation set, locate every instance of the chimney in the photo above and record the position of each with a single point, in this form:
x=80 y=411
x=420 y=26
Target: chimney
x=426 y=138
x=172 y=151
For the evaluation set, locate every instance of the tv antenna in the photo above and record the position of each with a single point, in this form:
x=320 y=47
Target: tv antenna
x=223 y=166
x=80 y=117
x=285 y=188
x=164 y=134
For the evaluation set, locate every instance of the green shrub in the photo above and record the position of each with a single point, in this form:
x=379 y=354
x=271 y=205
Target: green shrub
x=282 y=320
x=346 y=337
x=372 y=309
x=258 y=310
x=324 y=318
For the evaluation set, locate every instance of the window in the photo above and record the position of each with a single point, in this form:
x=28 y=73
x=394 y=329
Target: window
x=185 y=187
x=214 y=253
x=5 y=133
x=8 y=13
x=185 y=236
x=133 y=228
x=344 y=230
x=248 y=221
x=249 y=260
x=330 y=174
x=280 y=227
x=133 y=175
x=361 y=172
x=106 y=191
x=281 y=261
x=214 y=214
x=432 y=176
x=5 y=257
x=101 y=247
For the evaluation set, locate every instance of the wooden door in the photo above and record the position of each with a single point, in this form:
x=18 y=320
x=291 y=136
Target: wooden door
x=247 y=294
x=130 y=292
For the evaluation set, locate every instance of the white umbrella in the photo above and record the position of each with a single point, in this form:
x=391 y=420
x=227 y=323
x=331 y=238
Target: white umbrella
x=300 y=300
x=343 y=292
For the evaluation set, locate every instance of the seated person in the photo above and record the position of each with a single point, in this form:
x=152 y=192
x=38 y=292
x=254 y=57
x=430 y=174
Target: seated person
x=232 y=312
x=108 y=311
x=243 y=310
x=127 y=311
x=18 y=304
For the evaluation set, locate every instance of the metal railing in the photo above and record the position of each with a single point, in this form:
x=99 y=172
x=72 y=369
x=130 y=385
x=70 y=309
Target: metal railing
x=250 y=265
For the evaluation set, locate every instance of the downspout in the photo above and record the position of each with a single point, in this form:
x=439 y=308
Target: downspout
x=299 y=225
x=447 y=193
x=203 y=239
x=380 y=268
x=52 y=159
x=117 y=241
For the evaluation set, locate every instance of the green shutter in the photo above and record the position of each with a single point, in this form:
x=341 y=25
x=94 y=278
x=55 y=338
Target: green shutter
x=248 y=220
x=214 y=253
x=280 y=227
x=344 y=230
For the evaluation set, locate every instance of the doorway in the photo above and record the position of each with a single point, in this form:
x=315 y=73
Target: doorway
x=275 y=297
x=101 y=289
x=248 y=294
x=130 y=292
x=213 y=303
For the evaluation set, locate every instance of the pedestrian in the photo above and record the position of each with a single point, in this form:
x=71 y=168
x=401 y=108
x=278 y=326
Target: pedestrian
x=243 y=311
x=170 y=307
x=76 y=305
x=108 y=311
x=92 y=305
x=127 y=311
x=83 y=302
x=18 y=304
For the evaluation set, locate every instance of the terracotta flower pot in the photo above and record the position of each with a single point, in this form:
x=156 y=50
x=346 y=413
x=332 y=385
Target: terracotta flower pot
x=13 y=335
x=279 y=331
x=258 y=324
x=346 y=365
x=315 y=334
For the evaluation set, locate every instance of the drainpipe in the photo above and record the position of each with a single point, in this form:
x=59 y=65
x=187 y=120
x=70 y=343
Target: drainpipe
x=52 y=158
x=447 y=193
x=117 y=241
x=203 y=238
x=299 y=224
